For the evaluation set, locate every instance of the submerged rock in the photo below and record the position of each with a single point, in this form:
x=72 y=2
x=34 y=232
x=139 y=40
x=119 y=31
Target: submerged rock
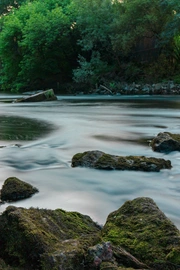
x=166 y=142
x=142 y=229
x=14 y=189
x=47 y=95
x=101 y=160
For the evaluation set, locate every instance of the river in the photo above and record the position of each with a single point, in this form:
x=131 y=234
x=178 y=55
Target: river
x=119 y=125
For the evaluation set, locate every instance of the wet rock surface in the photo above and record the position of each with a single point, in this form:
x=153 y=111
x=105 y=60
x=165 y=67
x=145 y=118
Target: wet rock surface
x=14 y=189
x=100 y=160
x=166 y=142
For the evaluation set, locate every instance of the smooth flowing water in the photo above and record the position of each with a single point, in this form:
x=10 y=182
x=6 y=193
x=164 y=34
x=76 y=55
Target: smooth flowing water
x=116 y=125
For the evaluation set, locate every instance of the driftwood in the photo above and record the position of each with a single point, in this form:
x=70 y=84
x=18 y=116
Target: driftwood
x=105 y=88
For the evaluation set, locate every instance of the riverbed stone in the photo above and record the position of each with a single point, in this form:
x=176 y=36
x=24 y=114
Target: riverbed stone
x=166 y=142
x=100 y=160
x=15 y=189
x=47 y=95
x=142 y=229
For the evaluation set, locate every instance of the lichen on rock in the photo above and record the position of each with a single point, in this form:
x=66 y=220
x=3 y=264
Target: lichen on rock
x=100 y=160
x=15 y=189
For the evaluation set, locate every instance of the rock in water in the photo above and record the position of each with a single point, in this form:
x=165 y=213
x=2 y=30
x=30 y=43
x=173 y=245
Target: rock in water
x=14 y=189
x=100 y=160
x=47 y=95
x=166 y=142
x=142 y=229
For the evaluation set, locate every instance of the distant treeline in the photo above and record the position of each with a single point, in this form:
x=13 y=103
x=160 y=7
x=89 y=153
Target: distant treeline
x=56 y=43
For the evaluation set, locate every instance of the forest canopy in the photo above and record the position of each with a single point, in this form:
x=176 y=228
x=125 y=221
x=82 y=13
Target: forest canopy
x=54 y=42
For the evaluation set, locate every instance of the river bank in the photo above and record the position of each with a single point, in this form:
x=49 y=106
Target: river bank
x=118 y=125
x=124 y=88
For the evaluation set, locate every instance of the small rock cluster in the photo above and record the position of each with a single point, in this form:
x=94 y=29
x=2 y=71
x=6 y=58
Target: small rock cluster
x=152 y=89
x=123 y=88
x=136 y=236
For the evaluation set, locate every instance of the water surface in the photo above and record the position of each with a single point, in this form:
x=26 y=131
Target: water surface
x=115 y=125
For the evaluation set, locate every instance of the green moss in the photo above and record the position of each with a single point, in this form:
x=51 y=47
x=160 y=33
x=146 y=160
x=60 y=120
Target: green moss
x=49 y=94
x=106 y=161
x=76 y=160
x=110 y=266
x=100 y=160
x=33 y=236
x=14 y=189
x=176 y=137
x=142 y=229
x=174 y=255
x=142 y=163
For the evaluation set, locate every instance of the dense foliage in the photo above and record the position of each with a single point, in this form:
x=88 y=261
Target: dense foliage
x=49 y=43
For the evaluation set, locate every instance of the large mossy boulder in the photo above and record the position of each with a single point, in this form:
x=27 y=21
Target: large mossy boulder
x=166 y=142
x=136 y=236
x=47 y=95
x=15 y=189
x=100 y=160
x=142 y=229
x=46 y=239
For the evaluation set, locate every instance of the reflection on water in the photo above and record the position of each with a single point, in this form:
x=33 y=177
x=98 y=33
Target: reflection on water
x=116 y=125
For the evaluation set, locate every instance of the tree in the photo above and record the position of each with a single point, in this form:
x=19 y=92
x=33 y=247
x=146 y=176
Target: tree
x=93 y=20
x=139 y=19
x=36 y=42
x=7 y=5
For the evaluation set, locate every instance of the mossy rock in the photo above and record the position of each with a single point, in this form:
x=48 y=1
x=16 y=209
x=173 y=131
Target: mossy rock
x=166 y=142
x=47 y=95
x=111 y=266
x=44 y=239
x=109 y=257
x=142 y=229
x=100 y=160
x=14 y=189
